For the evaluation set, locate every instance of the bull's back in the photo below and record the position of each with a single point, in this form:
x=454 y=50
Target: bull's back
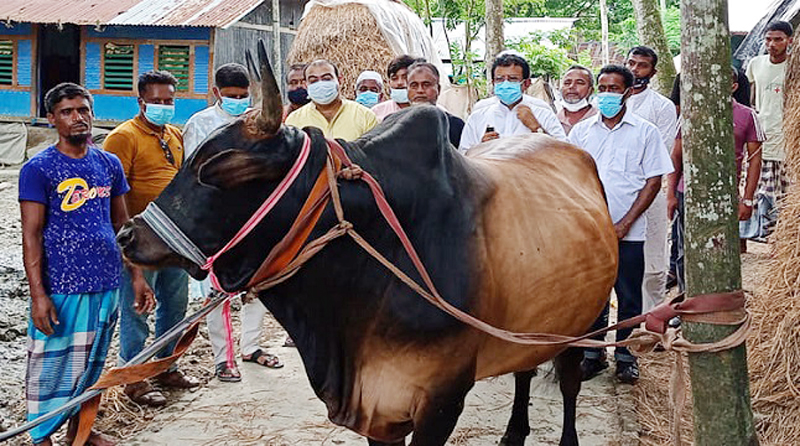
x=548 y=243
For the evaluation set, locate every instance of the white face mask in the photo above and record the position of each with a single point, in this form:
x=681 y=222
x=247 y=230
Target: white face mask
x=575 y=106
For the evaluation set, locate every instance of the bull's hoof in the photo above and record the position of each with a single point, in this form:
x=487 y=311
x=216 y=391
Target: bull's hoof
x=513 y=439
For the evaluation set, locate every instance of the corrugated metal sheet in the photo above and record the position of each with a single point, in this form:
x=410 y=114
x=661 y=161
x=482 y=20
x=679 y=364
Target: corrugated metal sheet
x=206 y=13
x=203 y=13
x=79 y=12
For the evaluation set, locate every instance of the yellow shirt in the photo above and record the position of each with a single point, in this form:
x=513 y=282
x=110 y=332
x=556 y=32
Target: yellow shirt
x=143 y=159
x=349 y=123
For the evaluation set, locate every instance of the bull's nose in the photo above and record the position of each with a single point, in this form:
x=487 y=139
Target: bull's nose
x=125 y=235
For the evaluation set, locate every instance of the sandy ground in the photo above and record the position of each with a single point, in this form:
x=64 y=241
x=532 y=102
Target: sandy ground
x=278 y=407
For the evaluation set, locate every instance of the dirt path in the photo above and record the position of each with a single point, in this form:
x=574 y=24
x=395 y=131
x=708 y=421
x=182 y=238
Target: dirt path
x=278 y=407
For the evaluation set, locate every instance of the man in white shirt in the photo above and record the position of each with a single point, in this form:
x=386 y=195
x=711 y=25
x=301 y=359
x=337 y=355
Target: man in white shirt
x=511 y=114
x=231 y=88
x=660 y=111
x=631 y=158
x=766 y=74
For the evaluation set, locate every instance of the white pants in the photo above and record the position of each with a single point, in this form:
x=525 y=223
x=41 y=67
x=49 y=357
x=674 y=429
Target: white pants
x=656 y=254
x=252 y=317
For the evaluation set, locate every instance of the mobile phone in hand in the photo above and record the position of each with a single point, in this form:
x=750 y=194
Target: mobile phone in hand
x=489 y=128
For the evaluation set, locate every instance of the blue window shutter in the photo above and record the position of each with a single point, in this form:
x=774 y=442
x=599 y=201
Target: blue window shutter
x=24 y=63
x=146 y=58
x=201 y=69
x=93 y=60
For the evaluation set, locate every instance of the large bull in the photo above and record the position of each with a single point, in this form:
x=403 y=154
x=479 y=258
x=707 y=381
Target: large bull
x=517 y=234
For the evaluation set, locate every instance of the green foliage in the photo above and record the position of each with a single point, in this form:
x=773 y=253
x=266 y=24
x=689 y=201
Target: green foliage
x=545 y=61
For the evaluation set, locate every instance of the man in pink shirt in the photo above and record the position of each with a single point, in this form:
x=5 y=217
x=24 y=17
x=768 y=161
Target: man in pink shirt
x=747 y=131
x=397 y=73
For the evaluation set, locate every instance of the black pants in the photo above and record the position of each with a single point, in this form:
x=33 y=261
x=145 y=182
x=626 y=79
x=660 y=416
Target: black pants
x=629 y=298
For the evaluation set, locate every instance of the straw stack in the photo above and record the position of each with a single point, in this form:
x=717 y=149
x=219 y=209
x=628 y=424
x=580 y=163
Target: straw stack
x=348 y=36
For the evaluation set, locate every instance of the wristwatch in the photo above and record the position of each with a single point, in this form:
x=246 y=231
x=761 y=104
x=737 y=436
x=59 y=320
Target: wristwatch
x=748 y=203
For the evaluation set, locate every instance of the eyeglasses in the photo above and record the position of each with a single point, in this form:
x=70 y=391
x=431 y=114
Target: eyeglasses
x=167 y=151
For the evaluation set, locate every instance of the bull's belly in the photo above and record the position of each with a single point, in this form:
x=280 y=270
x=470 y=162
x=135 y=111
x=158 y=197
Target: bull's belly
x=394 y=384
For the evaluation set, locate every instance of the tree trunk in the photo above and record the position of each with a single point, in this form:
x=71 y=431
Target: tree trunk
x=604 y=30
x=495 y=41
x=720 y=385
x=650 y=28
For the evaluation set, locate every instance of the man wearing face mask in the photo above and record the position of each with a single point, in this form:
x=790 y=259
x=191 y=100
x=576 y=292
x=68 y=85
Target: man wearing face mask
x=295 y=89
x=369 y=89
x=397 y=73
x=576 y=87
x=660 y=111
x=336 y=116
x=151 y=152
x=231 y=88
x=511 y=114
x=631 y=158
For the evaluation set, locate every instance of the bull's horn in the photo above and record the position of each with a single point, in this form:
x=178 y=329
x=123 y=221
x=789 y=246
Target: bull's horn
x=269 y=121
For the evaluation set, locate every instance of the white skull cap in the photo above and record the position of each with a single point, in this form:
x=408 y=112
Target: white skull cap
x=366 y=75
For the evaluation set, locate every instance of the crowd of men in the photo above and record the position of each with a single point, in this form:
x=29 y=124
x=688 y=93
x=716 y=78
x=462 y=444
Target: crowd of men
x=74 y=196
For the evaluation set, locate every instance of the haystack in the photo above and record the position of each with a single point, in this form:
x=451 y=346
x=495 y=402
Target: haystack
x=773 y=349
x=348 y=36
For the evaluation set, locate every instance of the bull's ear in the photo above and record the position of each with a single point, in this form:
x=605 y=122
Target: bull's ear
x=232 y=167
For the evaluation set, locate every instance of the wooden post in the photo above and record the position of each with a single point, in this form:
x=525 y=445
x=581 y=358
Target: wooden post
x=277 y=53
x=495 y=41
x=604 y=30
x=650 y=29
x=720 y=385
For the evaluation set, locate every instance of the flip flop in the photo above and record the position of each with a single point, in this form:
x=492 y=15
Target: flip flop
x=226 y=375
x=270 y=361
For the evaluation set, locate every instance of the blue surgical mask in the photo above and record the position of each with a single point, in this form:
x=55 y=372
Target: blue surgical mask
x=323 y=92
x=235 y=106
x=609 y=104
x=159 y=114
x=508 y=92
x=367 y=98
x=400 y=95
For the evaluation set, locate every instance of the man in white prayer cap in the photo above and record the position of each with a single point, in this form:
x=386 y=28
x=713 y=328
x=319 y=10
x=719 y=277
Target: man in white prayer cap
x=369 y=88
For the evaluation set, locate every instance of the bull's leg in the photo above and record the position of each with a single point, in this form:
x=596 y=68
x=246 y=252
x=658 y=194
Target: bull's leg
x=381 y=443
x=434 y=422
x=568 y=369
x=518 y=427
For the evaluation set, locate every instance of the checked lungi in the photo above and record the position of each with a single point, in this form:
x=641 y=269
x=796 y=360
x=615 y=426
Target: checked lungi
x=773 y=186
x=65 y=364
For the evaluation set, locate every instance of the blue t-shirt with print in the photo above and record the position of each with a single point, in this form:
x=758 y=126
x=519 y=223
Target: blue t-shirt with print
x=80 y=247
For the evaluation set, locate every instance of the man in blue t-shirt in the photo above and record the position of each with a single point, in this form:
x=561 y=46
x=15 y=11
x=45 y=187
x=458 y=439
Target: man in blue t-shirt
x=71 y=201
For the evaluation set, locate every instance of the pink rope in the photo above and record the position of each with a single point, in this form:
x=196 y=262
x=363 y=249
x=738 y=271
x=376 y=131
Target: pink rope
x=262 y=211
x=226 y=317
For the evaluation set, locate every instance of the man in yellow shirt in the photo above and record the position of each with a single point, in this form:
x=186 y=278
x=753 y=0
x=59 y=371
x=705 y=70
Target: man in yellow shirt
x=336 y=116
x=151 y=152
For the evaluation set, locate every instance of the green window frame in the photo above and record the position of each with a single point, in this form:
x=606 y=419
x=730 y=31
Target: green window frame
x=118 y=63
x=6 y=62
x=176 y=60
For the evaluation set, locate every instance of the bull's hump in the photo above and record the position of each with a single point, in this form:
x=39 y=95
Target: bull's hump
x=516 y=147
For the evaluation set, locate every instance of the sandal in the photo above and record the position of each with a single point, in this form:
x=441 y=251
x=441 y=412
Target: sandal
x=227 y=375
x=269 y=360
x=144 y=394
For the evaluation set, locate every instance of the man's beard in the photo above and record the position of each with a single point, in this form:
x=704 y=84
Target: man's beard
x=79 y=138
